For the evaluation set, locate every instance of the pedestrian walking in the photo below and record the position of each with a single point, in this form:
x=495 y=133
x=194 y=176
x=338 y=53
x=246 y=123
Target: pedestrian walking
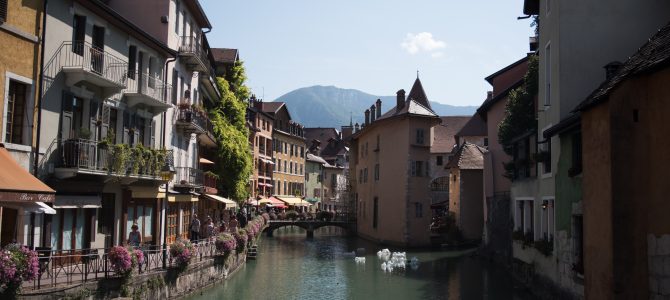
x=233 y=224
x=195 y=228
x=209 y=228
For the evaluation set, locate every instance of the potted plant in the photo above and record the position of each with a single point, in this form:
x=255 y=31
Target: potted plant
x=84 y=133
x=225 y=243
x=17 y=264
x=182 y=251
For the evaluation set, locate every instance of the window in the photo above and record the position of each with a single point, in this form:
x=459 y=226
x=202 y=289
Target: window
x=418 y=210
x=302 y=152
x=175 y=92
x=377 y=146
x=132 y=62
x=291 y=150
x=365 y=175
x=285 y=188
x=176 y=12
x=291 y=167
x=3 y=11
x=360 y=176
x=546 y=160
x=547 y=219
x=375 y=213
x=376 y=172
x=578 y=235
x=285 y=164
x=576 y=167
x=417 y=169
x=278 y=165
x=486 y=142
x=16 y=113
x=439 y=160
x=78 y=34
x=547 y=75
x=523 y=217
x=420 y=136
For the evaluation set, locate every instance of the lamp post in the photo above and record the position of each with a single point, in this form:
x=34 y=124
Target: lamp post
x=167 y=173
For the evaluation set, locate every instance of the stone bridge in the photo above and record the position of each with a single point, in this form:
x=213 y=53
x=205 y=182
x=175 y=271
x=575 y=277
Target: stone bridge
x=308 y=225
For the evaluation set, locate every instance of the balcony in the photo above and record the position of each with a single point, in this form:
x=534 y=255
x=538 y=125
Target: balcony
x=207 y=138
x=82 y=62
x=188 y=177
x=149 y=91
x=86 y=157
x=209 y=183
x=191 y=120
x=193 y=55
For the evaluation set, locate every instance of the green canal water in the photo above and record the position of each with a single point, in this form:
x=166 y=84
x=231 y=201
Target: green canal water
x=291 y=267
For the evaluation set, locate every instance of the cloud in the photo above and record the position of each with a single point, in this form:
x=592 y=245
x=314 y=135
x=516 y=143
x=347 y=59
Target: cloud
x=423 y=42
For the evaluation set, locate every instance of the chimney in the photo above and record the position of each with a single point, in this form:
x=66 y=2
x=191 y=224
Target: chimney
x=347 y=131
x=611 y=69
x=379 y=108
x=373 y=115
x=367 y=117
x=400 y=100
x=357 y=127
x=489 y=95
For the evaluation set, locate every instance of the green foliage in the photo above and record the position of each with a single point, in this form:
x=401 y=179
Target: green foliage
x=212 y=174
x=520 y=108
x=236 y=77
x=292 y=214
x=231 y=133
x=545 y=246
x=120 y=157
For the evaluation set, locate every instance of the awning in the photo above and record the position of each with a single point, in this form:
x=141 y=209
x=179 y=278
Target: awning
x=18 y=185
x=32 y=207
x=229 y=203
x=206 y=161
x=77 y=201
x=267 y=161
x=182 y=198
x=295 y=201
x=147 y=192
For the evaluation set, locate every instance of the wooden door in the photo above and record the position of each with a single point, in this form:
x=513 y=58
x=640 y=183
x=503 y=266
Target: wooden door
x=8 y=234
x=172 y=213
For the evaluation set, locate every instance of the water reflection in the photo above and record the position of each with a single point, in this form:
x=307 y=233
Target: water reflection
x=291 y=267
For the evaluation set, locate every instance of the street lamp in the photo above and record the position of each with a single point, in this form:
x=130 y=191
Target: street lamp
x=167 y=173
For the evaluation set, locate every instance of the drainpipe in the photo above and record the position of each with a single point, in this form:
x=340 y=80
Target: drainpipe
x=36 y=159
x=165 y=74
x=163 y=133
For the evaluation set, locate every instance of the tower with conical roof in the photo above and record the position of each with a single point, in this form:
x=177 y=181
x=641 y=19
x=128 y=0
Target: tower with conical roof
x=418 y=94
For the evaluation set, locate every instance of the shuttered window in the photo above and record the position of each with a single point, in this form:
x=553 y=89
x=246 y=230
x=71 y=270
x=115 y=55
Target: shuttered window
x=3 y=11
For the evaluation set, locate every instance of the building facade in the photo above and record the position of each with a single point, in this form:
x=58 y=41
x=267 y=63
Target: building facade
x=261 y=126
x=389 y=171
x=20 y=23
x=570 y=67
x=497 y=231
x=289 y=150
x=466 y=188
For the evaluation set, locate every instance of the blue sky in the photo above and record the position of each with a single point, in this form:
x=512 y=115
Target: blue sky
x=372 y=45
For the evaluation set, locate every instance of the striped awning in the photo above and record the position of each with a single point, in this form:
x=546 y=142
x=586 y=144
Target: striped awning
x=229 y=203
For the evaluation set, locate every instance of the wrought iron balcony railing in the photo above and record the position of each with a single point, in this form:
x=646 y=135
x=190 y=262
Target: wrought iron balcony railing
x=191 y=48
x=149 y=86
x=94 y=157
x=187 y=176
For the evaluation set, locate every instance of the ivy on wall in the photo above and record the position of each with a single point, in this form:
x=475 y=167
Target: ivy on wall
x=233 y=155
x=520 y=108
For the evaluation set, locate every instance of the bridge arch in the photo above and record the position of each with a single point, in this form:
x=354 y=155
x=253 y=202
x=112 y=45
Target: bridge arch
x=309 y=226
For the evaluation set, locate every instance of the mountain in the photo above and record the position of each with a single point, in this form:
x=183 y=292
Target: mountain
x=330 y=106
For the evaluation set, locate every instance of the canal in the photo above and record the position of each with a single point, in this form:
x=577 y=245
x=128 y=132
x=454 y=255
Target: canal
x=291 y=267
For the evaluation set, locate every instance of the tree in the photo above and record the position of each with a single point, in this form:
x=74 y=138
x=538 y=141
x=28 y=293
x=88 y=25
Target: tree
x=231 y=133
x=236 y=77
